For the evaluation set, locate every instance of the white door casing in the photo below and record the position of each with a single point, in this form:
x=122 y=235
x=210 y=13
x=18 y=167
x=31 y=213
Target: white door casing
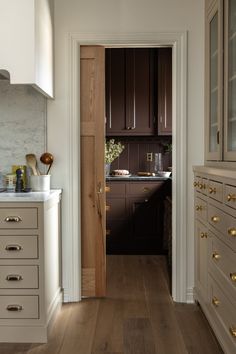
x=178 y=41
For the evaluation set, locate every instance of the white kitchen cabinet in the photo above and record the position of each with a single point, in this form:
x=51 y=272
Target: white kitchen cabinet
x=30 y=279
x=215 y=251
x=26 y=42
x=220 y=89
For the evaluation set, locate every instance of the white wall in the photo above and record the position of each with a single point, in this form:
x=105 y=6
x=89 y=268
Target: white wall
x=119 y=16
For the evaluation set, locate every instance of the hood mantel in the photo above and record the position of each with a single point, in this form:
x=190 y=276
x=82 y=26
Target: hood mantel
x=26 y=41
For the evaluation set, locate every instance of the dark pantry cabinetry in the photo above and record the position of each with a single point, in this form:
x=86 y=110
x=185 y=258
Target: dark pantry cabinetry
x=135 y=217
x=137 y=82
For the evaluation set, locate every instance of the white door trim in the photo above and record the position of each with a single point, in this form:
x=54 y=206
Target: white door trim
x=178 y=40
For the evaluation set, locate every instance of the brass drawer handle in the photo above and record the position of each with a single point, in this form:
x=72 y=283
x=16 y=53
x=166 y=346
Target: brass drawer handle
x=232 y=232
x=107 y=189
x=13 y=219
x=14 y=277
x=215 y=219
x=14 y=308
x=146 y=189
x=232 y=331
x=215 y=256
x=233 y=276
x=212 y=190
x=231 y=197
x=195 y=184
x=215 y=301
x=199 y=207
x=108 y=232
x=13 y=248
x=203 y=234
x=108 y=207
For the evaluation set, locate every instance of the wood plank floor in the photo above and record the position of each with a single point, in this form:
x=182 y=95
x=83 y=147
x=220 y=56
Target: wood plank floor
x=138 y=316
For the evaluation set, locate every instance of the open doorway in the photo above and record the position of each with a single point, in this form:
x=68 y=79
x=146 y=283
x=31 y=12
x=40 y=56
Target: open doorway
x=138 y=148
x=178 y=41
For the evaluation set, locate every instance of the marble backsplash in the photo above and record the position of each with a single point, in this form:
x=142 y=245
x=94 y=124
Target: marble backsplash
x=22 y=124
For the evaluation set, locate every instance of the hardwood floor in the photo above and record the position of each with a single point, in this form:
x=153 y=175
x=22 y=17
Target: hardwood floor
x=138 y=316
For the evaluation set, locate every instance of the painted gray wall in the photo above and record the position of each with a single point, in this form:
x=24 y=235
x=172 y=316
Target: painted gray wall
x=22 y=124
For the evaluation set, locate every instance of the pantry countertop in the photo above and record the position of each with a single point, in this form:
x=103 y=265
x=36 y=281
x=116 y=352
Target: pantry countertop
x=30 y=196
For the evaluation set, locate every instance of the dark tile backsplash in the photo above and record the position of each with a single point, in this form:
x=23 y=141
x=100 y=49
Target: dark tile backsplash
x=134 y=156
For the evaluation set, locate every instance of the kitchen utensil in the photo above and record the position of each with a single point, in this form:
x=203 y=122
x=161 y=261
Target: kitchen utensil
x=47 y=159
x=32 y=163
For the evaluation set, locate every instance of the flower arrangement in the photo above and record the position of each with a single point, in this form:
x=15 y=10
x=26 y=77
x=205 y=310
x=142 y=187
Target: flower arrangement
x=112 y=150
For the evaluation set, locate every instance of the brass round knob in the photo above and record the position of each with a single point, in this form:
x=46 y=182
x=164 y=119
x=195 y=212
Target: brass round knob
x=233 y=331
x=146 y=189
x=215 y=256
x=231 y=197
x=232 y=232
x=195 y=184
x=215 y=218
x=233 y=276
x=200 y=185
x=215 y=301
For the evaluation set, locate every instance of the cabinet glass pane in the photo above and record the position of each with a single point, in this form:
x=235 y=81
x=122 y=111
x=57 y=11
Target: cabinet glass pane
x=213 y=83
x=231 y=114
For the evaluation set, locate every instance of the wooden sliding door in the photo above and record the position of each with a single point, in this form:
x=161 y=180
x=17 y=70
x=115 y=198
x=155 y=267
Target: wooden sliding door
x=92 y=97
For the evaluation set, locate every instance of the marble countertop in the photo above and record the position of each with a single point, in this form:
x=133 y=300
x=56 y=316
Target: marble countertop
x=137 y=178
x=30 y=196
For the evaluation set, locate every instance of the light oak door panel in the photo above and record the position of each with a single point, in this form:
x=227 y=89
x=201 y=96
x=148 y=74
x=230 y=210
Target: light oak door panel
x=92 y=96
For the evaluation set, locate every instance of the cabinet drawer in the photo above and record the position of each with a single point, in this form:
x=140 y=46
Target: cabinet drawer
x=18 y=218
x=215 y=190
x=18 y=247
x=14 y=307
x=224 y=309
x=230 y=196
x=222 y=260
x=143 y=189
x=201 y=209
x=115 y=188
x=224 y=223
x=19 y=277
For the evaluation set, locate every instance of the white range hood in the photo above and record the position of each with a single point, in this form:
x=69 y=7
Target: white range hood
x=26 y=42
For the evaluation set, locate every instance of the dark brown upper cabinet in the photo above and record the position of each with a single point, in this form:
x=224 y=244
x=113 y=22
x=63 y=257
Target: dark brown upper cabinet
x=164 y=91
x=129 y=92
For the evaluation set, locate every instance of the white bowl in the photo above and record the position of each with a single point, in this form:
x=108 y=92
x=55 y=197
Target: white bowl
x=164 y=173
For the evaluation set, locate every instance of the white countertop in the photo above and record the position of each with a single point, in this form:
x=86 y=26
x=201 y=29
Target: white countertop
x=30 y=196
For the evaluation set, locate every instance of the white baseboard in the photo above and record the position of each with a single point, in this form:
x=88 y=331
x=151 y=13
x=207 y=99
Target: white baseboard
x=189 y=296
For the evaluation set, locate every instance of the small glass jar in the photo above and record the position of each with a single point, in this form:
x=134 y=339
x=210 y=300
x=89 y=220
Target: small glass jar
x=158 y=162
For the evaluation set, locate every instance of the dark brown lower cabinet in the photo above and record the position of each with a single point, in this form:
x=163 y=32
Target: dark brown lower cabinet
x=135 y=217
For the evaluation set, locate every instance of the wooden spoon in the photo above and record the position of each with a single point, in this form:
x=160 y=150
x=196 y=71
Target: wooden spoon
x=47 y=159
x=32 y=163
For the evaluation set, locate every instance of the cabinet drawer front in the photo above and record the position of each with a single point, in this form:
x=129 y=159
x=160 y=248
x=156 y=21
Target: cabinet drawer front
x=215 y=190
x=224 y=223
x=14 y=307
x=224 y=310
x=201 y=209
x=18 y=218
x=230 y=196
x=19 y=277
x=18 y=247
x=222 y=259
x=115 y=188
x=141 y=189
x=116 y=208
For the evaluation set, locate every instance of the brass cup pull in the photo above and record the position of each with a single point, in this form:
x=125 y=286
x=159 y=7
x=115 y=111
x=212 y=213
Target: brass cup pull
x=233 y=276
x=232 y=232
x=146 y=189
x=212 y=190
x=231 y=197
x=14 y=277
x=215 y=218
x=108 y=207
x=16 y=308
x=203 y=234
x=216 y=256
x=215 y=301
x=198 y=208
x=13 y=248
x=107 y=189
x=232 y=331
x=13 y=219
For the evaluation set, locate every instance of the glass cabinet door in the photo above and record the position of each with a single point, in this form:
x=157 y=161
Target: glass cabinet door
x=214 y=83
x=230 y=81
